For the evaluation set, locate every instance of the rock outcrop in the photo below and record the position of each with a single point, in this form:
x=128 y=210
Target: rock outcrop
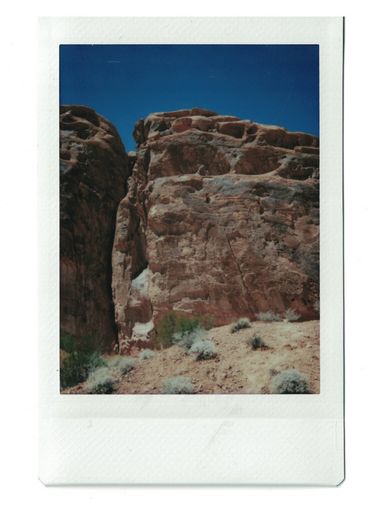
x=221 y=219
x=94 y=168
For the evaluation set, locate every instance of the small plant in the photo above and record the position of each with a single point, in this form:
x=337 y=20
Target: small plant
x=121 y=364
x=178 y=385
x=100 y=381
x=204 y=349
x=81 y=358
x=77 y=366
x=173 y=323
x=291 y=315
x=146 y=354
x=269 y=316
x=242 y=323
x=186 y=339
x=68 y=343
x=165 y=329
x=290 y=381
x=256 y=342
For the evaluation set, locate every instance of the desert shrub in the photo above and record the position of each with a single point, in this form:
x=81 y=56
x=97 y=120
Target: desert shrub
x=187 y=324
x=187 y=338
x=100 y=381
x=204 y=349
x=242 y=323
x=77 y=366
x=256 y=342
x=178 y=385
x=122 y=365
x=290 y=381
x=173 y=323
x=291 y=315
x=68 y=343
x=82 y=358
x=146 y=354
x=269 y=316
x=165 y=329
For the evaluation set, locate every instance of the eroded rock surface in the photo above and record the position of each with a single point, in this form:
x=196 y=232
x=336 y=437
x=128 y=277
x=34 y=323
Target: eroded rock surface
x=221 y=219
x=93 y=172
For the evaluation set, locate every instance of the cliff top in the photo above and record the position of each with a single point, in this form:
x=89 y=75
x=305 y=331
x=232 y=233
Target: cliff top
x=227 y=127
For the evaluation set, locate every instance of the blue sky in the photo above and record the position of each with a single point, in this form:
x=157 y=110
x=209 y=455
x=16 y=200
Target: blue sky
x=272 y=84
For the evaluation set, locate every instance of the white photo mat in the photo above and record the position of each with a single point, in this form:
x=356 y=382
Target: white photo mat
x=198 y=439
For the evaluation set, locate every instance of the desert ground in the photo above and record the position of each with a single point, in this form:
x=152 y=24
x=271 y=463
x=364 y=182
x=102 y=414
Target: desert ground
x=237 y=368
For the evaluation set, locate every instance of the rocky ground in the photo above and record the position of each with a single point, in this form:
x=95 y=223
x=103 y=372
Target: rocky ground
x=237 y=369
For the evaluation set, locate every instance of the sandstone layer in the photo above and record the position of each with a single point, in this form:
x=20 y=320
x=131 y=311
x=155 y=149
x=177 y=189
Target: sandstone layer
x=94 y=169
x=221 y=219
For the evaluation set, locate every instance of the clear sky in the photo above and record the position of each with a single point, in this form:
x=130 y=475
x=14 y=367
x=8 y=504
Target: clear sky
x=271 y=84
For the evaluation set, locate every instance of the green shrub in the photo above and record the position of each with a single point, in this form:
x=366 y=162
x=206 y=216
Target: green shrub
x=178 y=385
x=204 y=349
x=122 y=365
x=269 y=316
x=174 y=323
x=100 y=381
x=77 y=366
x=146 y=354
x=68 y=343
x=165 y=330
x=186 y=339
x=290 y=381
x=81 y=359
x=88 y=344
x=242 y=323
x=291 y=315
x=256 y=342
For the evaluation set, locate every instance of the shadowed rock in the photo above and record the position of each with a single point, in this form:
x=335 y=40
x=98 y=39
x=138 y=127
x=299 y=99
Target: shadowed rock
x=93 y=174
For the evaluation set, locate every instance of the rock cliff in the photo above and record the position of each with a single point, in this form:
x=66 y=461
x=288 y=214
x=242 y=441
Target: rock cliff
x=94 y=168
x=221 y=219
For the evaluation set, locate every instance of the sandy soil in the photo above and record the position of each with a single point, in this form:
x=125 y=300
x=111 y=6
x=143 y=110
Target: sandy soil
x=237 y=368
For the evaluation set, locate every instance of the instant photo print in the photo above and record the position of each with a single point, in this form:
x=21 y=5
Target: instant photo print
x=191 y=272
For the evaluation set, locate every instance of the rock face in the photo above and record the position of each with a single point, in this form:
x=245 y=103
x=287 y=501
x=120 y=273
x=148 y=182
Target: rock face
x=221 y=219
x=93 y=173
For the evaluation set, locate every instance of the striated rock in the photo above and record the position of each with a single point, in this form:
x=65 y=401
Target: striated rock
x=221 y=219
x=93 y=174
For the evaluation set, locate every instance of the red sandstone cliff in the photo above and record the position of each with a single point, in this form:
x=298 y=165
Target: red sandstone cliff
x=221 y=219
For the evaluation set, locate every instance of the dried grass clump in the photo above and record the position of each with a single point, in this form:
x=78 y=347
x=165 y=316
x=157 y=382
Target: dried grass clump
x=204 y=349
x=100 y=381
x=178 y=385
x=187 y=338
x=269 y=316
x=242 y=323
x=121 y=365
x=256 y=343
x=290 y=381
x=291 y=315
